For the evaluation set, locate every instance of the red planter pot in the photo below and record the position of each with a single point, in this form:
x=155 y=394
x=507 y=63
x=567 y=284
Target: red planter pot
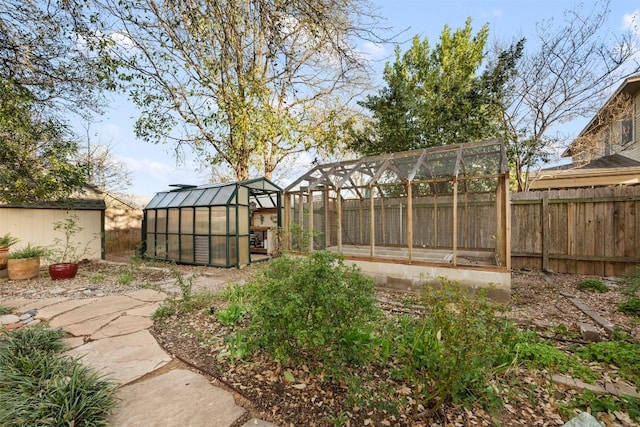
x=63 y=271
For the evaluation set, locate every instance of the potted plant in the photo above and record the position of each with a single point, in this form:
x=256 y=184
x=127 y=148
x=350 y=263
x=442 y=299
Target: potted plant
x=6 y=242
x=66 y=252
x=25 y=263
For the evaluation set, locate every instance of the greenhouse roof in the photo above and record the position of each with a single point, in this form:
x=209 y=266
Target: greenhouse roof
x=480 y=159
x=211 y=194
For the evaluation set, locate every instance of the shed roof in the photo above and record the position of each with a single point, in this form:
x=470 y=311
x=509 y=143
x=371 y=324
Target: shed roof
x=209 y=194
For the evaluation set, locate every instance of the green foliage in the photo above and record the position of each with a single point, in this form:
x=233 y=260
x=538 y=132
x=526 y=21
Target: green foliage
x=125 y=278
x=164 y=312
x=632 y=283
x=38 y=386
x=35 y=160
x=232 y=314
x=98 y=277
x=630 y=307
x=594 y=285
x=29 y=252
x=8 y=240
x=436 y=96
x=5 y=310
x=452 y=352
x=238 y=346
x=540 y=355
x=313 y=309
x=594 y=403
x=625 y=355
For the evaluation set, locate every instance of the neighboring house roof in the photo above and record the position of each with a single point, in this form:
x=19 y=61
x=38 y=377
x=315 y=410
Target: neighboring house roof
x=630 y=86
x=612 y=161
x=590 y=177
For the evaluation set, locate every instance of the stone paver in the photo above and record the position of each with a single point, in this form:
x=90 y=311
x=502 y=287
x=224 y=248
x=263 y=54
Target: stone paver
x=102 y=306
x=18 y=302
x=124 y=358
x=148 y=295
x=90 y=326
x=8 y=319
x=41 y=303
x=145 y=310
x=73 y=342
x=51 y=311
x=177 y=398
x=123 y=325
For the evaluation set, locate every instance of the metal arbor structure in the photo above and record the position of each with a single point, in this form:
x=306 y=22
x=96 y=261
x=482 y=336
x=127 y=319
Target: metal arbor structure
x=206 y=225
x=445 y=205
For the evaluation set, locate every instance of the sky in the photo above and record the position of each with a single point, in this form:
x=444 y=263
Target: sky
x=154 y=167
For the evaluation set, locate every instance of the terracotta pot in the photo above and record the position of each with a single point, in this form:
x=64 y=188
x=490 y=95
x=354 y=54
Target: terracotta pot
x=23 y=268
x=4 y=256
x=63 y=271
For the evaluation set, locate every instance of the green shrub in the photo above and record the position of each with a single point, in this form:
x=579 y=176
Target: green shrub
x=594 y=403
x=40 y=387
x=624 y=355
x=163 y=312
x=595 y=285
x=632 y=283
x=452 y=352
x=313 y=309
x=540 y=355
x=5 y=310
x=630 y=307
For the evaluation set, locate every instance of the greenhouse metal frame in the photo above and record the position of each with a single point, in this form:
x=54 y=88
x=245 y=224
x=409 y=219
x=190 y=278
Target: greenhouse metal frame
x=206 y=225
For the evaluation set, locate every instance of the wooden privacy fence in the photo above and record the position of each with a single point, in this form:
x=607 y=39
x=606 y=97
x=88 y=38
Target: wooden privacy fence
x=591 y=231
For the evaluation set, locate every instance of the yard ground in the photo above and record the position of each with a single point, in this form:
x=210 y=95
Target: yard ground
x=198 y=338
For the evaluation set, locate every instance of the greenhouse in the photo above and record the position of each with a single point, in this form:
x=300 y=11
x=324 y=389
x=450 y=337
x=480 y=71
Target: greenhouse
x=407 y=216
x=221 y=225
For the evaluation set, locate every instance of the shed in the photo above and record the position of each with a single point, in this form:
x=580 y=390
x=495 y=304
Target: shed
x=213 y=224
x=33 y=222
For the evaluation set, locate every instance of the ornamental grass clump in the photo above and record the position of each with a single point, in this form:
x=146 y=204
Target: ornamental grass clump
x=41 y=387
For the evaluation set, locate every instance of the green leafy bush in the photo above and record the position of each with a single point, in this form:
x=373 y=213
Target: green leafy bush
x=624 y=355
x=38 y=386
x=452 y=352
x=630 y=307
x=313 y=309
x=232 y=314
x=540 y=355
x=595 y=285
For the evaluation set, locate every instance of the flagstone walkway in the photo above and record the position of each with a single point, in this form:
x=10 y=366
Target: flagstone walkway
x=111 y=333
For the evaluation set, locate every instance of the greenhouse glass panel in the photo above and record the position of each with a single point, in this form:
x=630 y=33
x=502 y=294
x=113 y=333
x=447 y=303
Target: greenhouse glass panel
x=219 y=250
x=161 y=246
x=233 y=258
x=151 y=221
x=151 y=245
x=219 y=220
x=243 y=195
x=173 y=220
x=186 y=249
x=154 y=202
x=202 y=220
x=192 y=198
x=177 y=201
x=232 y=219
x=207 y=196
x=186 y=221
x=244 y=250
x=243 y=220
x=173 y=251
x=161 y=221
x=222 y=198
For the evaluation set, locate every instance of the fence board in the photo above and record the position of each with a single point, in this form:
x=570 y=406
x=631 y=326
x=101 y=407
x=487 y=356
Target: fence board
x=585 y=231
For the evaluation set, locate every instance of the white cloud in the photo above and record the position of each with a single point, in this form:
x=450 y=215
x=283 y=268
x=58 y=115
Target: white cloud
x=631 y=22
x=373 y=51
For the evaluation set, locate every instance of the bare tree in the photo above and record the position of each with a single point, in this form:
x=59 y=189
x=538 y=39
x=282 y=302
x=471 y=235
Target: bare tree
x=245 y=82
x=103 y=168
x=569 y=76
